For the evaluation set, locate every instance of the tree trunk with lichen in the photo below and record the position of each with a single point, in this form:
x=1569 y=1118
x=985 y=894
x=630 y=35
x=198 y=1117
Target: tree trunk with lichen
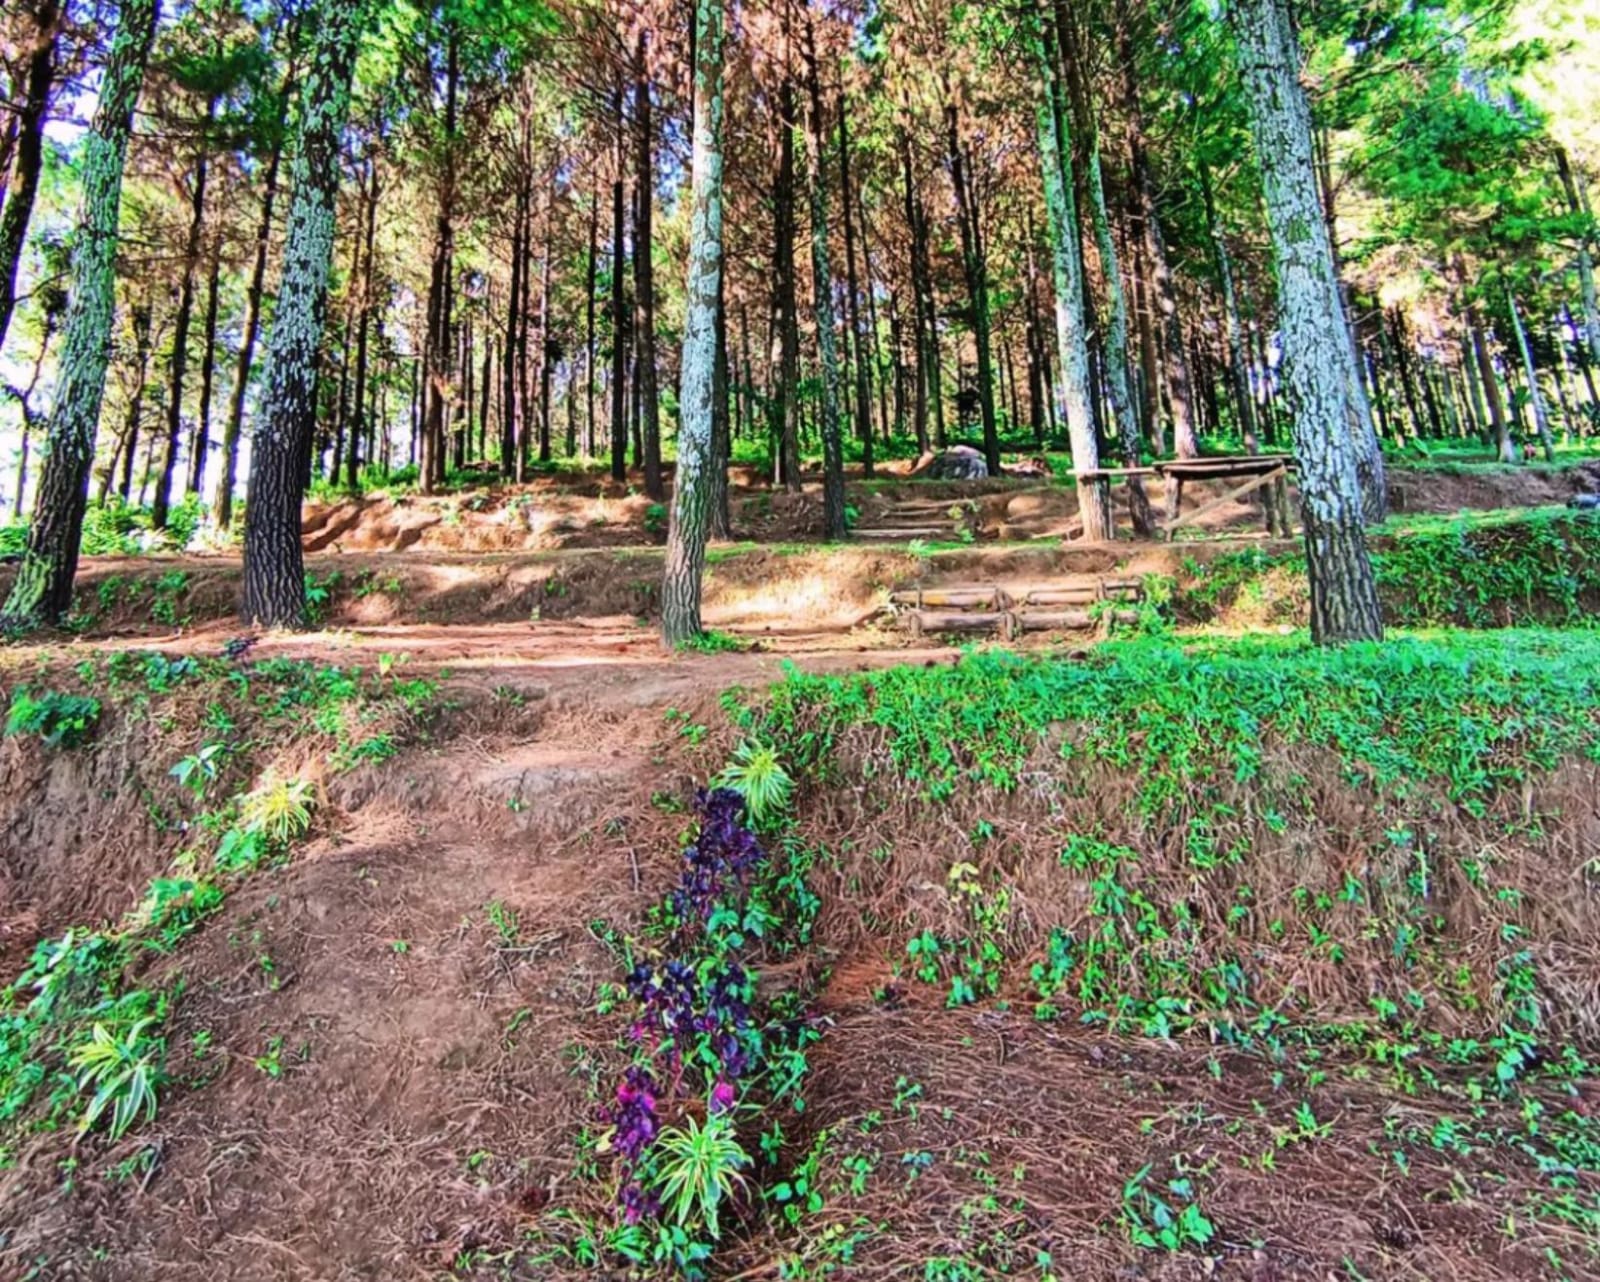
x=1115 y=327
x=1344 y=595
x=691 y=494
x=20 y=184
x=222 y=507
x=274 y=566
x=42 y=592
x=1067 y=264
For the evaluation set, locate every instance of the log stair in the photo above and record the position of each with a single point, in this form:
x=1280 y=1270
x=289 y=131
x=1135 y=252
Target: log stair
x=1078 y=604
x=928 y=519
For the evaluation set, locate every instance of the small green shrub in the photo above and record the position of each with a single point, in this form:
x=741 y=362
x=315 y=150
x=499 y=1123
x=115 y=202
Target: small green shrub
x=756 y=774
x=1166 y=1220
x=714 y=643
x=123 y=1070
x=697 y=1170
x=278 y=808
x=60 y=720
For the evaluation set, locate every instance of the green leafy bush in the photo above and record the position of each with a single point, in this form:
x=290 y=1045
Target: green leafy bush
x=60 y=720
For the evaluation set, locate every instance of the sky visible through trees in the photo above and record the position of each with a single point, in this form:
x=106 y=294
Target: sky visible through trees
x=1118 y=231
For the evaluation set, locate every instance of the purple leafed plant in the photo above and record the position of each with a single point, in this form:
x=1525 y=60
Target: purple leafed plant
x=696 y=1002
x=722 y=855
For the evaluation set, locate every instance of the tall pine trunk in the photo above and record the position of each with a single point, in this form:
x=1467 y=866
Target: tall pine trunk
x=21 y=182
x=274 y=566
x=858 y=342
x=1115 y=328
x=1577 y=204
x=1072 y=345
x=1505 y=448
x=358 y=418
x=1344 y=594
x=691 y=494
x=784 y=406
x=200 y=442
x=439 y=390
x=644 y=273
x=222 y=508
x=619 y=316
x=179 y=365
x=1162 y=290
x=590 y=280
x=822 y=300
x=1359 y=408
x=721 y=438
x=128 y=447
x=975 y=261
x=42 y=591
x=1238 y=368
x=925 y=321
x=1541 y=417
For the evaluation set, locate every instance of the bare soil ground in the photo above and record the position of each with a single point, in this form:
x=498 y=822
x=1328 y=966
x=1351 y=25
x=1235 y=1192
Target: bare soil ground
x=572 y=512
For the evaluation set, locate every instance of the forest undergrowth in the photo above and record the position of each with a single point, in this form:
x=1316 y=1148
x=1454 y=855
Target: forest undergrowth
x=1289 y=952
x=1182 y=958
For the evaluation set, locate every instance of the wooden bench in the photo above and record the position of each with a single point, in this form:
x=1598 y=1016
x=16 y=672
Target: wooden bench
x=1259 y=471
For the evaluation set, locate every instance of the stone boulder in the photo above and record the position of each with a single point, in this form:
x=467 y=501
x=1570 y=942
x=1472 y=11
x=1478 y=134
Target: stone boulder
x=959 y=463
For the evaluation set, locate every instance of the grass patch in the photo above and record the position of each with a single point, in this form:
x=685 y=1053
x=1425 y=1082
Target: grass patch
x=1484 y=570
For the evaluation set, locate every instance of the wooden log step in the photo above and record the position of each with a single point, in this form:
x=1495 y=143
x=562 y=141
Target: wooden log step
x=952 y=598
x=922 y=507
x=920 y=621
x=1068 y=620
x=884 y=534
x=1085 y=595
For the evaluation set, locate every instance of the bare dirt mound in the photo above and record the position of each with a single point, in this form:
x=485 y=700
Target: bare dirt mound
x=1445 y=490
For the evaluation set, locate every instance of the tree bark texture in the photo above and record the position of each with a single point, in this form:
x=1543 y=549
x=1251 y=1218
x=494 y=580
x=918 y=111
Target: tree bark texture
x=179 y=366
x=644 y=276
x=691 y=495
x=22 y=181
x=1344 y=596
x=42 y=591
x=822 y=302
x=274 y=566
x=1072 y=345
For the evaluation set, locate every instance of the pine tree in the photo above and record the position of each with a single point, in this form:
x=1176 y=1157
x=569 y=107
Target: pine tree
x=1344 y=595
x=19 y=187
x=42 y=592
x=274 y=568
x=831 y=408
x=691 y=497
x=1067 y=260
